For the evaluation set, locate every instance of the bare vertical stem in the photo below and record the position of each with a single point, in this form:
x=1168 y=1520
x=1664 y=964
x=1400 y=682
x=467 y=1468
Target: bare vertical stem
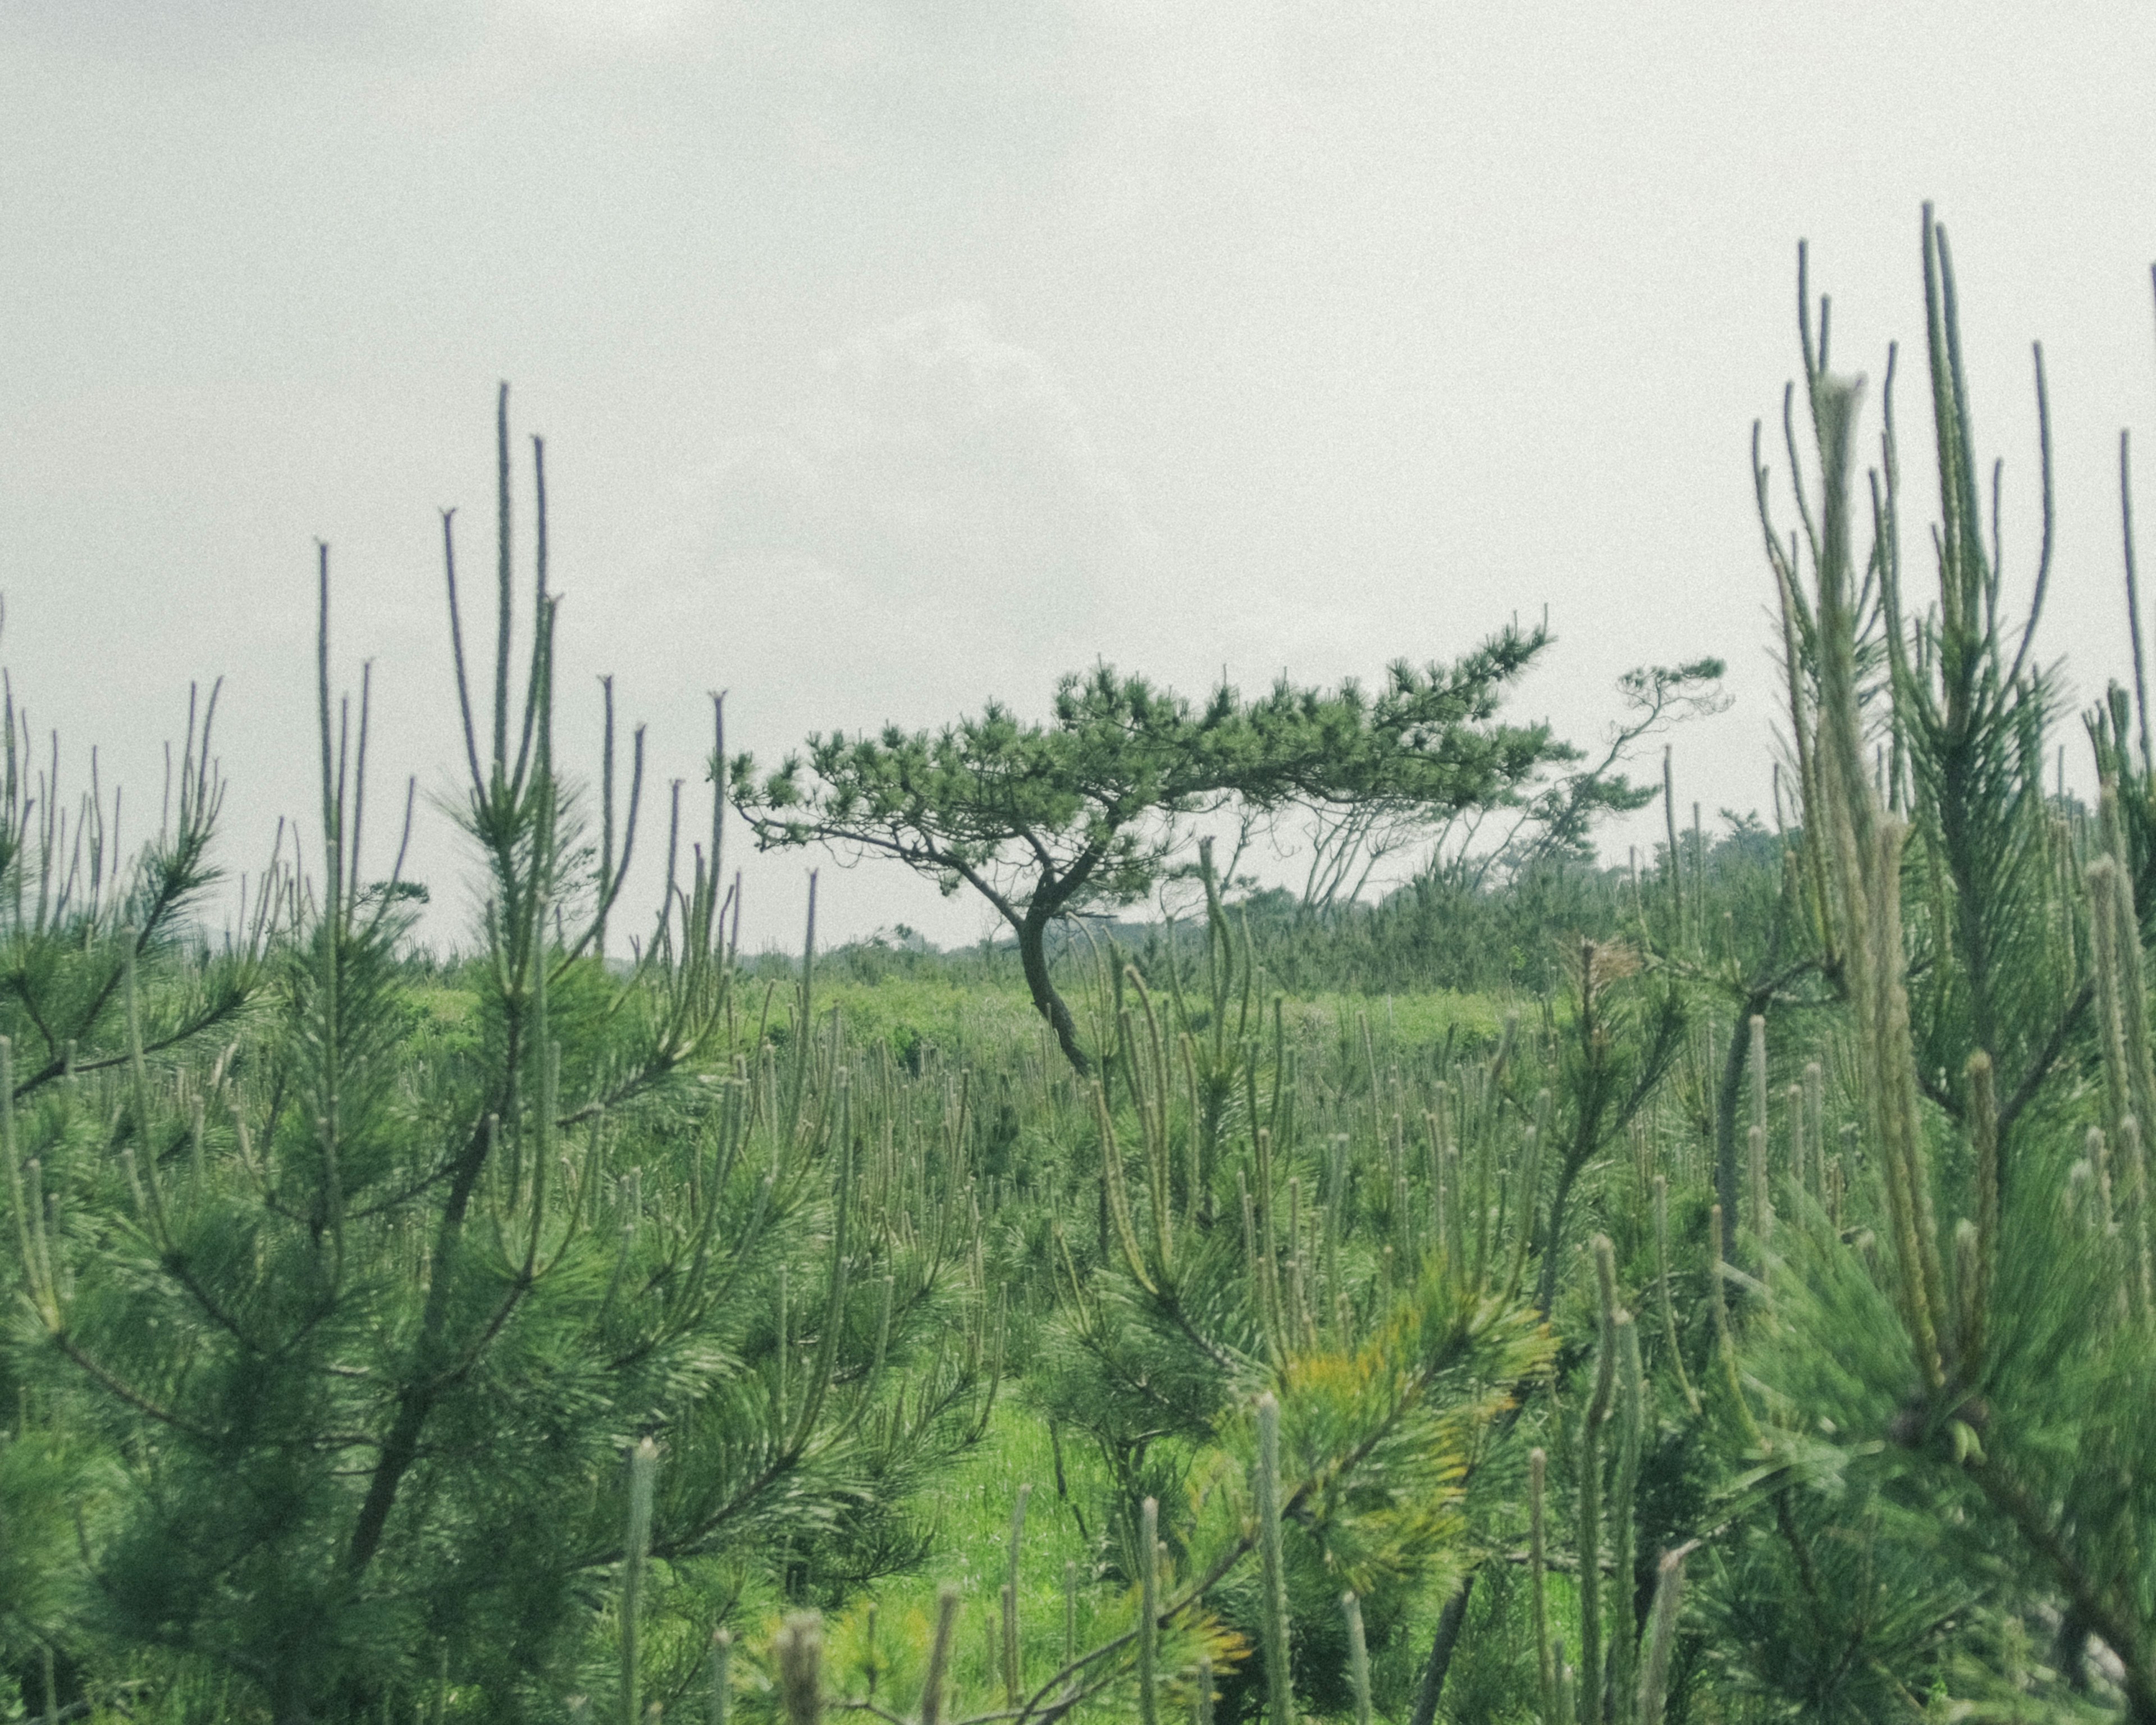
x=1272 y=1616
x=1013 y=1674
x=1148 y=1611
x=1537 y=1579
x=1359 y=1656
x=799 y=1645
x=2133 y=600
x=939 y=1654
x=1624 y=1639
x=1590 y=1535
x=1662 y=1286
x=643 y=1478
x=502 y=612
x=715 y=1664
x=1661 y=1636
x=1984 y=1133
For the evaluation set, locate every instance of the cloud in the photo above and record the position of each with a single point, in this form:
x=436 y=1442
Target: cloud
x=207 y=34
x=936 y=513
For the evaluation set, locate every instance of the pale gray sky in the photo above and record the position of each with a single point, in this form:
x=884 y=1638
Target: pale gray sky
x=891 y=356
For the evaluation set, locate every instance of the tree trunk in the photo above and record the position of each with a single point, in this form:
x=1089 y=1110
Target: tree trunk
x=1033 y=955
x=1727 y=1097
x=1546 y=1281
x=1450 y=1623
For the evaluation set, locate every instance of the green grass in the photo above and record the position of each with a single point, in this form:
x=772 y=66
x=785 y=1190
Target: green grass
x=965 y=1023
x=886 y=1629
x=971 y=1023
x=972 y=1508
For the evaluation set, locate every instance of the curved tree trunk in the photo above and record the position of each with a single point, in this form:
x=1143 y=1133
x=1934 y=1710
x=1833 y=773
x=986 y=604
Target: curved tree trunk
x=1033 y=955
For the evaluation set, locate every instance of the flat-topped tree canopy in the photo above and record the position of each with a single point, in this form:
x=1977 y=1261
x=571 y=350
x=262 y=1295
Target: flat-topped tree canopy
x=1088 y=808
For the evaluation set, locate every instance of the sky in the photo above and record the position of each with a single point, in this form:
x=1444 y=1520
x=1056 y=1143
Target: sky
x=894 y=356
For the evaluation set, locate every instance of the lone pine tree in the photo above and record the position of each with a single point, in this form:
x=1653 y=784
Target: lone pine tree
x=1045 y=820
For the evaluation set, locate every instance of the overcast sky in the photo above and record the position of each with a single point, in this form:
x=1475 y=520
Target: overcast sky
x=893 y=355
